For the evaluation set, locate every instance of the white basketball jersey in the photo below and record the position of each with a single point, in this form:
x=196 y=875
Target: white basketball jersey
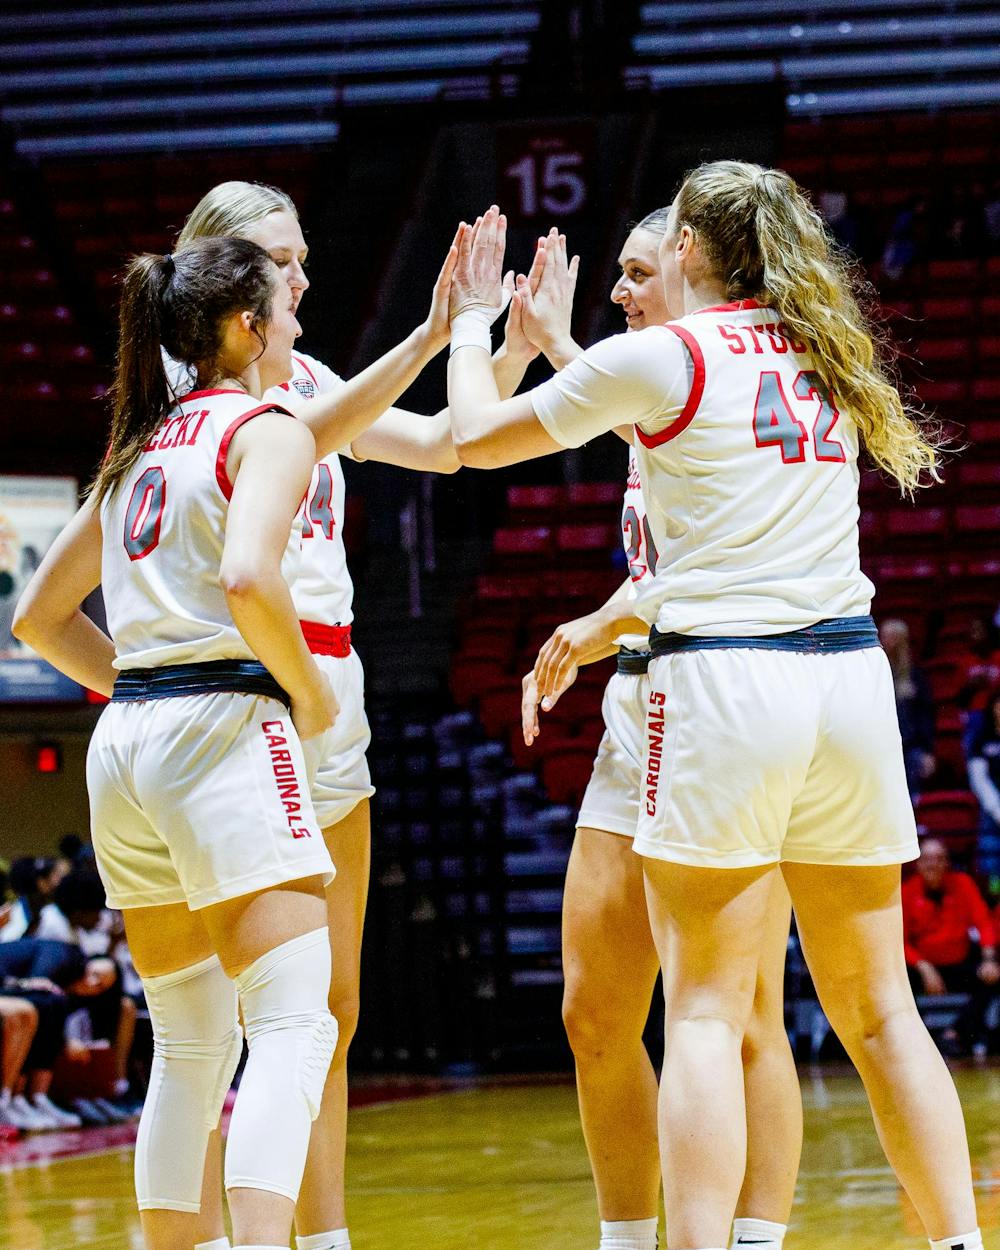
x=163 y=533
x=640 y=549
x=323 y=591
x=752 y=491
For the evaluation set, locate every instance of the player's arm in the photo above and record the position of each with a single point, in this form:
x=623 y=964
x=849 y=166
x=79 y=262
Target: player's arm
x=336 y=419
x=614 y=383
x=270 y=463
x=585 y=640
x=412 y=441
x=48 y=617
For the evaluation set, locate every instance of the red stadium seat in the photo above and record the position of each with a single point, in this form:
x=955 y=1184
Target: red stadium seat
x=500 y=707
x=954 y=351
x=961 y=275
x=530 y=497
x=500 y=587
x=915 y=528
x=947 y=812
x=586 y=538
x=979 y=482
x=954 y=311
x=943 y=394
x=471 y=675
x=986 y=390
x=977 y=523
x=566 y=770
x=518 y=540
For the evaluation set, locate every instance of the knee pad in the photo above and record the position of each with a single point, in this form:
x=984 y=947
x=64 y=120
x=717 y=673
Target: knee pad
x=197 y=1044
x=292 y=1036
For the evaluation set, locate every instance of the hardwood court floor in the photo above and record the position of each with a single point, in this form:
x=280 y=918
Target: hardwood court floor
x=502 y=1167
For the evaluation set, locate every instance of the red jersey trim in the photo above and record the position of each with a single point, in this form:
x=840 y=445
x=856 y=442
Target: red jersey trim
x=741 y=305
x=221 y=476
x=299 y=361
x=693 y=400
x=226 y=390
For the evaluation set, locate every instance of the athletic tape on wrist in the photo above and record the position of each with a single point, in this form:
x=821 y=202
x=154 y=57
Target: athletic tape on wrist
x=471 y=328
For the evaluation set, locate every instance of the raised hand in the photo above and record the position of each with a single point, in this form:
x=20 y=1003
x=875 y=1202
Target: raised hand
x=545 y=305
x=516 y=341
x=477 y=281
x=438 y=324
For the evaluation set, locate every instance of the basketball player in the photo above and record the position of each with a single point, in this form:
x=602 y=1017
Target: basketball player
x=605 y=921
x=323 y=598
x=202 y=822
x=771 y=735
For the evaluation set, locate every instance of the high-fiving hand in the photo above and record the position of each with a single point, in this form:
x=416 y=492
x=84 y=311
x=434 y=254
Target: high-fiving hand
x=477 y=282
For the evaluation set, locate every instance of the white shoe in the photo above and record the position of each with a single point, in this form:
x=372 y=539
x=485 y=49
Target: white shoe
x=23 y=1115
x=63 y=1119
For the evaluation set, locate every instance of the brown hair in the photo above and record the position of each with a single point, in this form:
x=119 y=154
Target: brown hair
x=179 y=302
x=761 y=235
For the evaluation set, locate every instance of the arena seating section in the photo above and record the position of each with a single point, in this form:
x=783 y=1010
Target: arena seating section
x=826 y=56
x=155 y=77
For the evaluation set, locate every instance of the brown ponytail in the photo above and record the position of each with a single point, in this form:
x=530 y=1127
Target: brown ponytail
x=179 y=303
x=764 y=238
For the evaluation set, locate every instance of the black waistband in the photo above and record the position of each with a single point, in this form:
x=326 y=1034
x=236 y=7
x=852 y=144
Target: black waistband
x=841 y=633
x=634 y=663
x=169 y=681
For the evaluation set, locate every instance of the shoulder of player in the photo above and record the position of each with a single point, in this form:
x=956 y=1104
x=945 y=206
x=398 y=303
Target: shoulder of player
x=321 y=375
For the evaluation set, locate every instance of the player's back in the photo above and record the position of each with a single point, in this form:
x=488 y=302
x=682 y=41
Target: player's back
x=752 y=490
x=164 y=530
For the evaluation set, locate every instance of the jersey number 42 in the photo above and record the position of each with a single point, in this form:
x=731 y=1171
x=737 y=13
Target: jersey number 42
x=776 y=425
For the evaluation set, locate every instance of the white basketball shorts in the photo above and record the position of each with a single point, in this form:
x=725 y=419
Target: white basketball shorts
x=611 y=800
x=336 y=759
x=200 y=798
x=755 y=757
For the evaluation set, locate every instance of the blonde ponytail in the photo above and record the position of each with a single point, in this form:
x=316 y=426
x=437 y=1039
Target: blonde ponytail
x=763 y=236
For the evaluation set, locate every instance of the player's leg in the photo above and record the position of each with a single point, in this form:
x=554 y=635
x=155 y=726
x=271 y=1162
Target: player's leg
x=851 y=924
x=210 y=1230
x=610 y=967
x=276 y=946
x=192 y=1009
x=773 y=1098
x=708 y=925
x=19 y=1019
x=321 y=1207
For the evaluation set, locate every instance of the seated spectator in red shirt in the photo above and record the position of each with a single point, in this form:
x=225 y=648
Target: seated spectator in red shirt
x=940 y=907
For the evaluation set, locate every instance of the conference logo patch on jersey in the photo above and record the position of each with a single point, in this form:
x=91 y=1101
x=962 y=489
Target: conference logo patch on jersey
x=655 y=724
x=306 y=387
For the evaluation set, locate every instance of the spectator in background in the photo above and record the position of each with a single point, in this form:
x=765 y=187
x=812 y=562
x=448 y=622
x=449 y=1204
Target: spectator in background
x=980 y=673
x=33 y=881
x=991 y=217
x=914 y=704
x=961 y=234
x=984 y=779
x=50 y=975
x=844 y=221
x=909 y=240
x=941 y=910
x=79 y=915
x=18 y=1025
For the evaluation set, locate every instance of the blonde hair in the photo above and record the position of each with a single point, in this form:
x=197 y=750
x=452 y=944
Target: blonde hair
x=766 y=241
x=232 y=207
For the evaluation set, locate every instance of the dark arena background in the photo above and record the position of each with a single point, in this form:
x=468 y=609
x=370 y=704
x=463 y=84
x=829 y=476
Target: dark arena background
x=387 y=121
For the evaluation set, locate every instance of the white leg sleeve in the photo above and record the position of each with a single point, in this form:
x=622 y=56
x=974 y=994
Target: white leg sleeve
x=197 y=1044
x=292 y=1037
